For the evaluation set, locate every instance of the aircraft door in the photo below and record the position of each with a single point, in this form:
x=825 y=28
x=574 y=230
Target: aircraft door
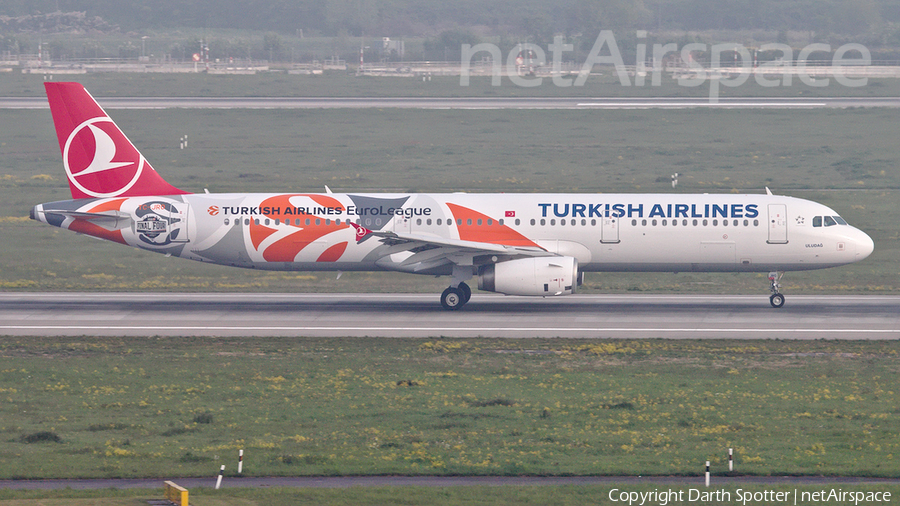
x=777 y=224
x=609 y=230
x=402 y=223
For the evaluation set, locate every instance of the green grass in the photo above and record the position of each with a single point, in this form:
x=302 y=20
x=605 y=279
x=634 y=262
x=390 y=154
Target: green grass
x=346 y=84
x=844 y=158
x=439 y=496
x=169 y=407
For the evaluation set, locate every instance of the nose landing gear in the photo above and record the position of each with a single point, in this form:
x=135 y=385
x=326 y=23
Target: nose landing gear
x=776 y=299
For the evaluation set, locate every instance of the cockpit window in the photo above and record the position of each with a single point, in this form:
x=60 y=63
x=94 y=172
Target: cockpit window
x=829 y=221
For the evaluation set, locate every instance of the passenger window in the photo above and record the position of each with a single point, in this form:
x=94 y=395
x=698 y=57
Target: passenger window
x=227 y=221
x=633 y=223
x=755 y=223
x=644 y=223
x=490 y=222
x=715 y=223
x=705 y=222
x=418 y=221
x=593 y=223
x=653 y=223
x=695 y=223
x=543 y=222
x=552 y=222
x=532 y=222
x=427 y=222
x=829 y=221
x=664 y=222
x=817 y=221
x=479 y=222
x=267 y=222
x=318 y=221
x=746 y=223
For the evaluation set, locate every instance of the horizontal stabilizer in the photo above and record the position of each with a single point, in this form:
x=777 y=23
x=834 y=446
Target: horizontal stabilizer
x=110 y=220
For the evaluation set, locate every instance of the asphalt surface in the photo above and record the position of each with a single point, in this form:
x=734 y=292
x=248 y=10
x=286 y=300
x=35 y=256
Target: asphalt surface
x=421 y=316
x=462 y=103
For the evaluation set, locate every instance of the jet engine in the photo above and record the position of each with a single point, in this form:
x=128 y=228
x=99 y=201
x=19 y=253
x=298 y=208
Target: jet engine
x=530 y=276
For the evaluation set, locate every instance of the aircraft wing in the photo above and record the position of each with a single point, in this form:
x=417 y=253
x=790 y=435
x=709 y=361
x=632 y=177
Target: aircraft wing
x=429 y=251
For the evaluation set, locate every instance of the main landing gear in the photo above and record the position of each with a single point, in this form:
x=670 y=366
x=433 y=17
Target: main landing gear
x=776 y=299
x=455 y=297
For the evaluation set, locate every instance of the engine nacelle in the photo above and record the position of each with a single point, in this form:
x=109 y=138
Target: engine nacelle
x=530 y=276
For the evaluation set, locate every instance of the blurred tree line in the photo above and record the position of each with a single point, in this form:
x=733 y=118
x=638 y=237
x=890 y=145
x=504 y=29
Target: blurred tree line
x=440 y=27
x=536 y=19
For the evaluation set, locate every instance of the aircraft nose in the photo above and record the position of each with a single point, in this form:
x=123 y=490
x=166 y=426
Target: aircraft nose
x=864 y=245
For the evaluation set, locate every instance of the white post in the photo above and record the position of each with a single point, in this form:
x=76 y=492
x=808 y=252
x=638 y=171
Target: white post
x=731 y=459
x=222 y=471
x=240 y=461
x=707 y=473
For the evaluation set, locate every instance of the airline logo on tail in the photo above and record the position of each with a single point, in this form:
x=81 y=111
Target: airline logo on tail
x=99 y=159
x=93 y=160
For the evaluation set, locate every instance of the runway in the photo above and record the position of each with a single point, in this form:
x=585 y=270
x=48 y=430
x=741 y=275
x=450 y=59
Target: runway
x=463 y=103
x=421 y=316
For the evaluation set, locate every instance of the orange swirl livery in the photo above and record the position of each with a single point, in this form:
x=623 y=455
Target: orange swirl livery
x=514 y=244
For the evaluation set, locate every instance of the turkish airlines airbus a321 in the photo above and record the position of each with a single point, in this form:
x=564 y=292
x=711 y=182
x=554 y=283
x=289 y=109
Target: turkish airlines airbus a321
x=515 y=244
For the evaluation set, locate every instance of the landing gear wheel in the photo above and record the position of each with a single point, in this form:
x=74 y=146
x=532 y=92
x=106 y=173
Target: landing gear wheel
x=777 y=300
x=466 y=292
x=452 y=299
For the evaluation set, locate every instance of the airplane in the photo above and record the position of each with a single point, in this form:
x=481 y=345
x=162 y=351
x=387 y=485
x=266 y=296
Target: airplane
x=515 y=244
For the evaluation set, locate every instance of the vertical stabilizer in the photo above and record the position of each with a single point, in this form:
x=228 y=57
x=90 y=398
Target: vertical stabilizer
x=98 y=158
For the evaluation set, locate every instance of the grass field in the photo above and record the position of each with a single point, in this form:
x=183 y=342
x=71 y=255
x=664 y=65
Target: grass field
x=493 y=496
x=844 y=158
x=170 y=407
x=335 y=84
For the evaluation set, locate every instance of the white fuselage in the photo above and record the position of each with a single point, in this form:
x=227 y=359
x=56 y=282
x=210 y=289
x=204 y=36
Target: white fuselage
x=604 y=232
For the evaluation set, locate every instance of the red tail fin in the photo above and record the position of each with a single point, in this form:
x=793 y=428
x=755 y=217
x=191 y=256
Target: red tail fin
x=99 y=160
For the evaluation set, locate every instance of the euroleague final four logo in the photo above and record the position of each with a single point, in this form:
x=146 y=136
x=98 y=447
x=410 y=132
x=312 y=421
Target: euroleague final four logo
x=155 y=222
x=92 y=151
